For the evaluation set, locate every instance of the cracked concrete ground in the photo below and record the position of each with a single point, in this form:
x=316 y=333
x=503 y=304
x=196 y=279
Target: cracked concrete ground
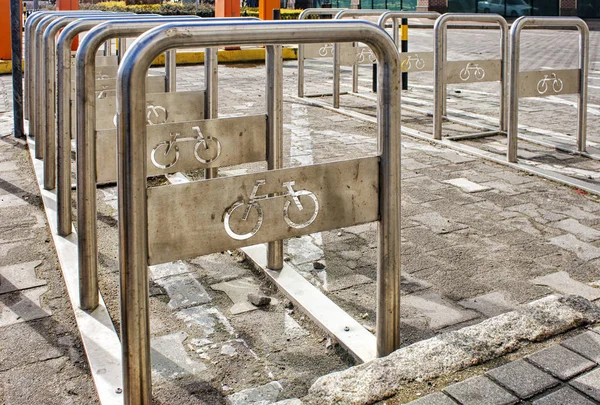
x=478 y=239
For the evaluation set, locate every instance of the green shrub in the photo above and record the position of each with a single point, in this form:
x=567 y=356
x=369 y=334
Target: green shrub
x=167 y=8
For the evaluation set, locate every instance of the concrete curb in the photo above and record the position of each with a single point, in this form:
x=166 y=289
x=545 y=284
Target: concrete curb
x=197 y=57
x=453 y=351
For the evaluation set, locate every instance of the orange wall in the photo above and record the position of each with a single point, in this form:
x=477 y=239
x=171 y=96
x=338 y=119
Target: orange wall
x=5 y=41
x=266 y=7
x=227 y=8
x=69 y=5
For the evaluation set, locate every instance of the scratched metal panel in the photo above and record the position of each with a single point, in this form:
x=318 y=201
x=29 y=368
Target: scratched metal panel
x=544 y=83
x=473 y=71
x=416 y=61
x=230 y=141
x=162 y=108
x=194 y=219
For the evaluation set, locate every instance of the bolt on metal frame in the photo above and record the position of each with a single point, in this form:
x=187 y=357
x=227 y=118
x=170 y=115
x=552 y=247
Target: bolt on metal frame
x=133 y=194
x=304 y=15
x=63 y=106
x=336 y=54
x=442 y=69
x=522 y=84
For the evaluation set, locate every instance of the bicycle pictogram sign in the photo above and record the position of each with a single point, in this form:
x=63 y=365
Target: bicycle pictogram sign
x=557 y=84
x=254 y=203
x=407 y=63
x=364 y=54
x=166 y=153
x=472 y=68
x=326 y=50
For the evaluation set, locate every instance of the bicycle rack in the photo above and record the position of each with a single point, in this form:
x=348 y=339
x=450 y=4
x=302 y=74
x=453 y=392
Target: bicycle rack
x=411 y=61
x=33 y=76
x=537 y=83
x=473 y=71
x=87 y=143
x=360 y=54
x=313 y=51
x=46 y=88
x=65 y=112
x=30 y=25
x=348 y=192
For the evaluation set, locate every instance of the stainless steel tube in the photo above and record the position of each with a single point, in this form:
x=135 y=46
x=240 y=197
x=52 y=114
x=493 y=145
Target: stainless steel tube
x=85 y=101
x=171 y=71
x=515 y=42
x=48 y=90
x=211 y=102
x=336 y=50
x=440 y=55
x=304 y=15
x=274 y=92
x=133 y=233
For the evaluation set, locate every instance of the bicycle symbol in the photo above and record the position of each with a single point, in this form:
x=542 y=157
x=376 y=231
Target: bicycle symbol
x=254 y=202
x=419 y=63
x=207 y=149
x=326 y=50
x=557 y=84
x=363 y=54
x=478 y=72
x=156 y=115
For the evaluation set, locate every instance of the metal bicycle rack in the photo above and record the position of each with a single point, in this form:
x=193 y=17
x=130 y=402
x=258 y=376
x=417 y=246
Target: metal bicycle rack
x=548 y=82
x=46 y=88
x=154 y=223
x=473 y=71
x=312 y=51
x=64 y=109
x=410 y=61
x=38 y=27
x=359 y=54
x=88 y=144
x=30 y=25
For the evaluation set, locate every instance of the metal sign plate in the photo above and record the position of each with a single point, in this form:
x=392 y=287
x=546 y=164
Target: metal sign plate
x=194 y=219
x=314 y=51
x=544 y=83
x=192 y=145
x=364 y=55
x=473 y=71
x=162 y=108
x=416 y=61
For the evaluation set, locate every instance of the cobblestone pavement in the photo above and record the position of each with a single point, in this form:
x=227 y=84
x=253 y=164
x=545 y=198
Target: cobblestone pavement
x=566 y=373
x=478 y=239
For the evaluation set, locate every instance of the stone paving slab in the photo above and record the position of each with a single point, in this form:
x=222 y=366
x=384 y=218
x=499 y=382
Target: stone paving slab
x=589 y=384
x=22 y=306
x=480 y=390
x=586 y=344
x=522 y=378
x=561 y=362
x=563 y=283
x=19 y=277
x=563 y=396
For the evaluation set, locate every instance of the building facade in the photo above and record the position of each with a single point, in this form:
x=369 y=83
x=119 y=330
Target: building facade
x=515 y=8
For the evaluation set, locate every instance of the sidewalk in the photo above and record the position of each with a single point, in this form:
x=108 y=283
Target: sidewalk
x=41 y=357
